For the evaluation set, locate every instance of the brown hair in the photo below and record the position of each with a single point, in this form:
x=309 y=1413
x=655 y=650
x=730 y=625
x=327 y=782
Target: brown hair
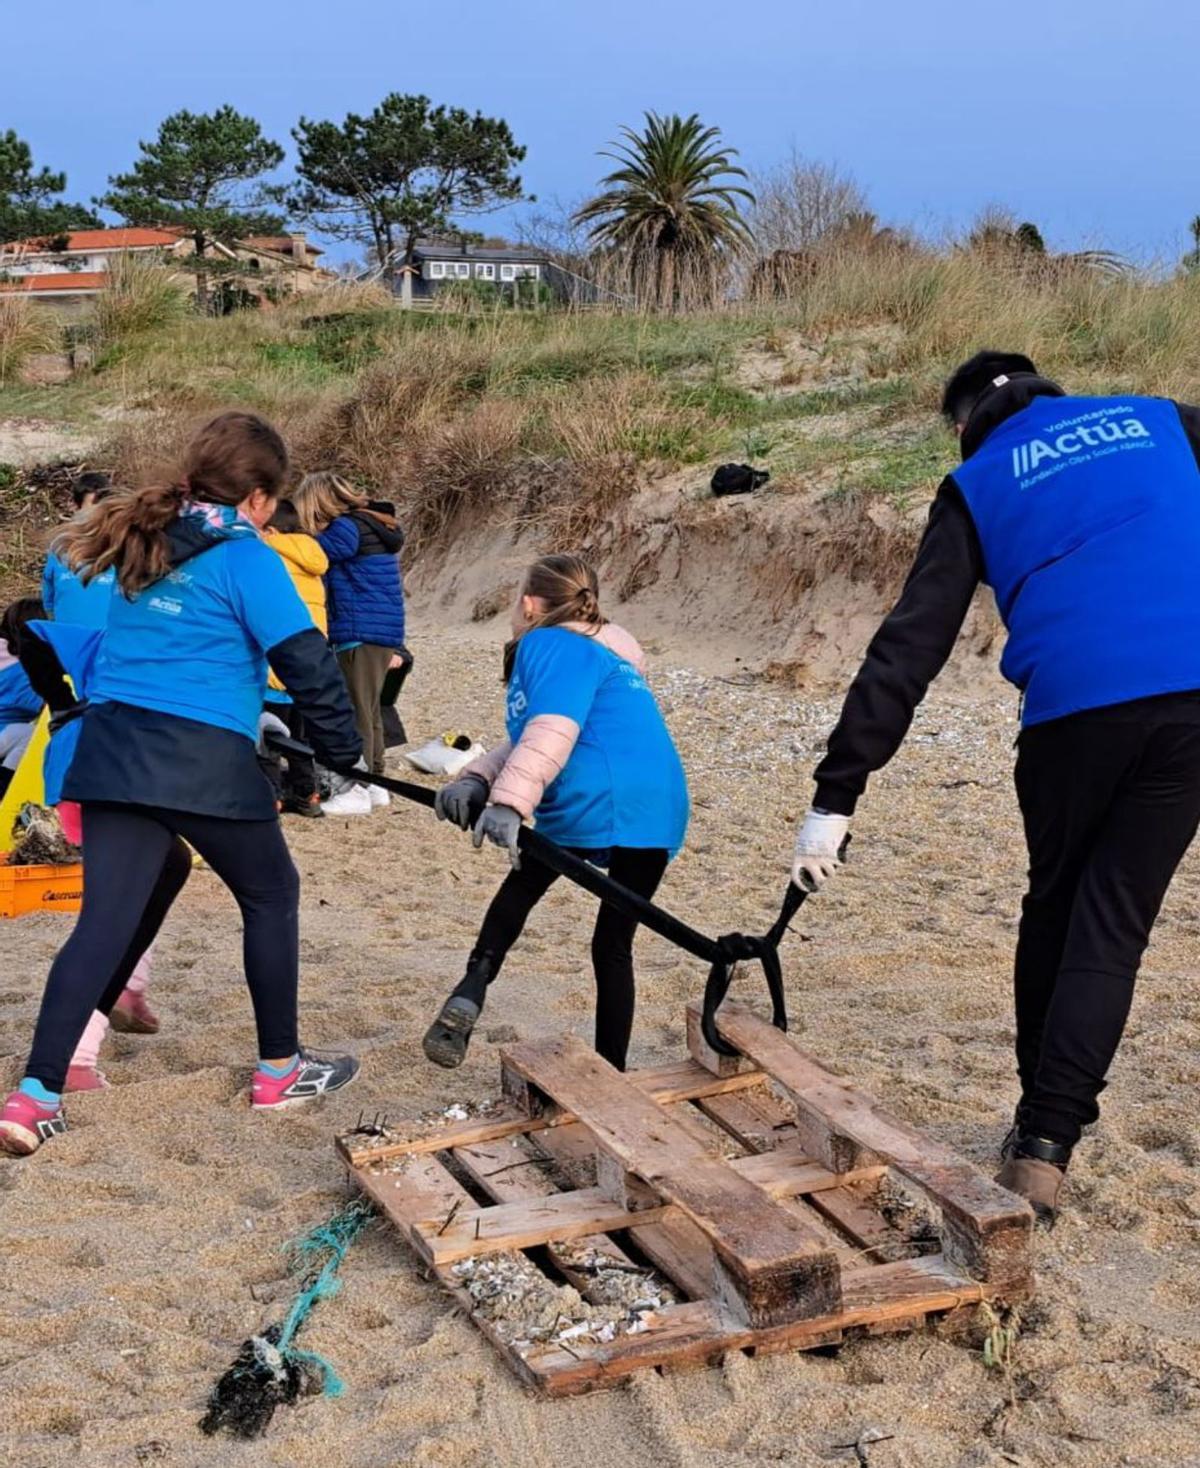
x=16 y=614
x=568 y=586
x=232 y=455
x=322 y=497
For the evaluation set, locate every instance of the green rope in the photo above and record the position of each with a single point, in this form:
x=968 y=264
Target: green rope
x=332 y=1239
x=270 y=1370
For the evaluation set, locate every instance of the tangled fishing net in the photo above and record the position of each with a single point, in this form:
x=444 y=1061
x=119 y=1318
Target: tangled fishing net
x=270 y=1370
x=38 y=840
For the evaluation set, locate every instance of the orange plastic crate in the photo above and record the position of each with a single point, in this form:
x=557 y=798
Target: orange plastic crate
x=40 y=889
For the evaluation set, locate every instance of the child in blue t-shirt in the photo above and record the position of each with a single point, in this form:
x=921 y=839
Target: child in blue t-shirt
x=66 y=595
x=590 y=757
x=19 y=704
x=165 y=757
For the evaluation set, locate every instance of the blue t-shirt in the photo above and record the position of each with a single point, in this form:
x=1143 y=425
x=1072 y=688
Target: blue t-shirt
x=18 y=702
x=67 y=599
x=195 y=643
x=624 y=783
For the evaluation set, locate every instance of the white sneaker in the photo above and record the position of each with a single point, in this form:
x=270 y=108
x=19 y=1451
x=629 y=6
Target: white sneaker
x=356 y=801
x=379 y=796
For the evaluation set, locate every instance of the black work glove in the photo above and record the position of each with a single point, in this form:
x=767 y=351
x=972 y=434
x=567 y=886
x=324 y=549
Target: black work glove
x=462 y=801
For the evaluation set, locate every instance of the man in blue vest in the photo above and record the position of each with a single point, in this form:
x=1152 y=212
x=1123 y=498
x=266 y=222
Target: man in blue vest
x=1083 y=516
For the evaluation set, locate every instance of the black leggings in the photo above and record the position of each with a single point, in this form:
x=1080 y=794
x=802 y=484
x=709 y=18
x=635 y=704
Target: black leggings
x=1111 y=802
x=136 y=865
x=612 y=941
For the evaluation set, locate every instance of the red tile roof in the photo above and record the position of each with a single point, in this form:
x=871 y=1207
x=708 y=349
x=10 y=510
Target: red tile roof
x=282 y=243
x=81 y=240
x=59 y=280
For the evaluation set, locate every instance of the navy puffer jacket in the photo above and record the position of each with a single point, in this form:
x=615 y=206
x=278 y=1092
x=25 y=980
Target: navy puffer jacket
x=363 y=584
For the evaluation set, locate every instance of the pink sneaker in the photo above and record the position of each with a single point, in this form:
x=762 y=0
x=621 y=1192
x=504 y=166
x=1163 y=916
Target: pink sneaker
x=131 y=1015
x=311 y=1077
x=85 y=1078
x=25 y=1124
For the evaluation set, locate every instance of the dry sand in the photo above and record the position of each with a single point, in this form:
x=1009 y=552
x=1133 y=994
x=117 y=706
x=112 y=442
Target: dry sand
x=142 y=1248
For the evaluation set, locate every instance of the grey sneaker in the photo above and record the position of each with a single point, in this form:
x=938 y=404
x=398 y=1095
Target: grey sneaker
x=447 y=1038
x=310 y=1078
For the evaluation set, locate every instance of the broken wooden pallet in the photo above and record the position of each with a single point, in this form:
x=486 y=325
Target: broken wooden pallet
x=756 y=1204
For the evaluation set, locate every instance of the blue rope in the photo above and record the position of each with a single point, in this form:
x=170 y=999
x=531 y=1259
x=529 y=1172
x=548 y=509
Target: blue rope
x=333 y=1239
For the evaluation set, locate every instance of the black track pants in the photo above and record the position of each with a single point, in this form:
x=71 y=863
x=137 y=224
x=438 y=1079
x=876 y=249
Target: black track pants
x=136 y=865
x=1111 y=801
x=612 y=939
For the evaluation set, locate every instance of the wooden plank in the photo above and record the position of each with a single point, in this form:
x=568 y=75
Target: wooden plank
x=855 y=1213
x=771 y=1267
x=503 y=1227
x=788 y=1173
x=513 y=1169
x=698 y=1333
x=509 y=1169
x=549 y=1216
x=757 y=1120
x=682 y=1080
x=985 y=1229
x=424 y=1188
x=760 y=1121
x=703 y=1053
x=675 y=1246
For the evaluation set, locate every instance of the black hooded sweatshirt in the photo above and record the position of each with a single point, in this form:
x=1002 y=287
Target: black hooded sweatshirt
x=916 y=638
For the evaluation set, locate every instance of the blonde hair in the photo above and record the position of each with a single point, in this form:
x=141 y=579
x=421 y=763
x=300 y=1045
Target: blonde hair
x=321 y=497
x=232 y=455
x=569 y=587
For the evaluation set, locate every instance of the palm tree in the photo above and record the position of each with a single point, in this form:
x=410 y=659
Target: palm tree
x=669 y=207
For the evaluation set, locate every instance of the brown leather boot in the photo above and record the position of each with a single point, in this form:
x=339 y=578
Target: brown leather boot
x=1034 y=1170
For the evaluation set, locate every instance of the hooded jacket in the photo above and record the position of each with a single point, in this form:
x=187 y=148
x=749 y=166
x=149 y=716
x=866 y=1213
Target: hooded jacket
x=970 y=539
x=364 y=585
x=306 y=564
x=178 y=680
x=67 y=599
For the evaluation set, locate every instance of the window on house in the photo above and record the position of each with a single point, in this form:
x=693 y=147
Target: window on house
x=508 y=272
x=485 y=272
x=436 y=270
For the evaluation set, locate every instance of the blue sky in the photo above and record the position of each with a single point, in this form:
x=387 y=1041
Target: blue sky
x=1082 y=116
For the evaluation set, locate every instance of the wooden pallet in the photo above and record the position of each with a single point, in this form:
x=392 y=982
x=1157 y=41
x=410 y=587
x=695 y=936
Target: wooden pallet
x=757 y=1204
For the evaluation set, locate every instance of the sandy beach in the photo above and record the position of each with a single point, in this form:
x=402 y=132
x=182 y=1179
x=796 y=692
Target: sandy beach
x=143 y=1247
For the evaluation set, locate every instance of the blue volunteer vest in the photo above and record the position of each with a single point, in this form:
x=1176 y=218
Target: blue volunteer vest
x=1088 y=515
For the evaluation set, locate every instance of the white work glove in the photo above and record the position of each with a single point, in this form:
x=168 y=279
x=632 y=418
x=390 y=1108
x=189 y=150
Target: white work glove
x=270 y=724
x=501 y=825
x=818 y=849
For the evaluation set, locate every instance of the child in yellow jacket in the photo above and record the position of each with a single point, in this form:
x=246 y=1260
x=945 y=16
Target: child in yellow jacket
x=296 y=787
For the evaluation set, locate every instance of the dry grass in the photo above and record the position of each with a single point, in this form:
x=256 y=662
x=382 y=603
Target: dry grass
x=25 y=330
x=551 y=417
x=141 y=297
x=1093 y=329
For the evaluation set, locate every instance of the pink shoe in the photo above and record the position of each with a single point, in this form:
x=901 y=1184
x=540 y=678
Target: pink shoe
x=85 y=1078
x=311 y=1077
x=25 y=1124
x=131 y=1015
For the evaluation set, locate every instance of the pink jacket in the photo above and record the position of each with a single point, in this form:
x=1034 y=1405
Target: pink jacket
x=518 y=776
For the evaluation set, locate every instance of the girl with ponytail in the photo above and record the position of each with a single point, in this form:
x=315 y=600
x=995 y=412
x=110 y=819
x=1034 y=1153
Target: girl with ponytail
x=590 y=758
x=166 y=751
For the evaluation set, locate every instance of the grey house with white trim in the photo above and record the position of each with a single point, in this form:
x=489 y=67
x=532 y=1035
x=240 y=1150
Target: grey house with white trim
x=436 y=265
